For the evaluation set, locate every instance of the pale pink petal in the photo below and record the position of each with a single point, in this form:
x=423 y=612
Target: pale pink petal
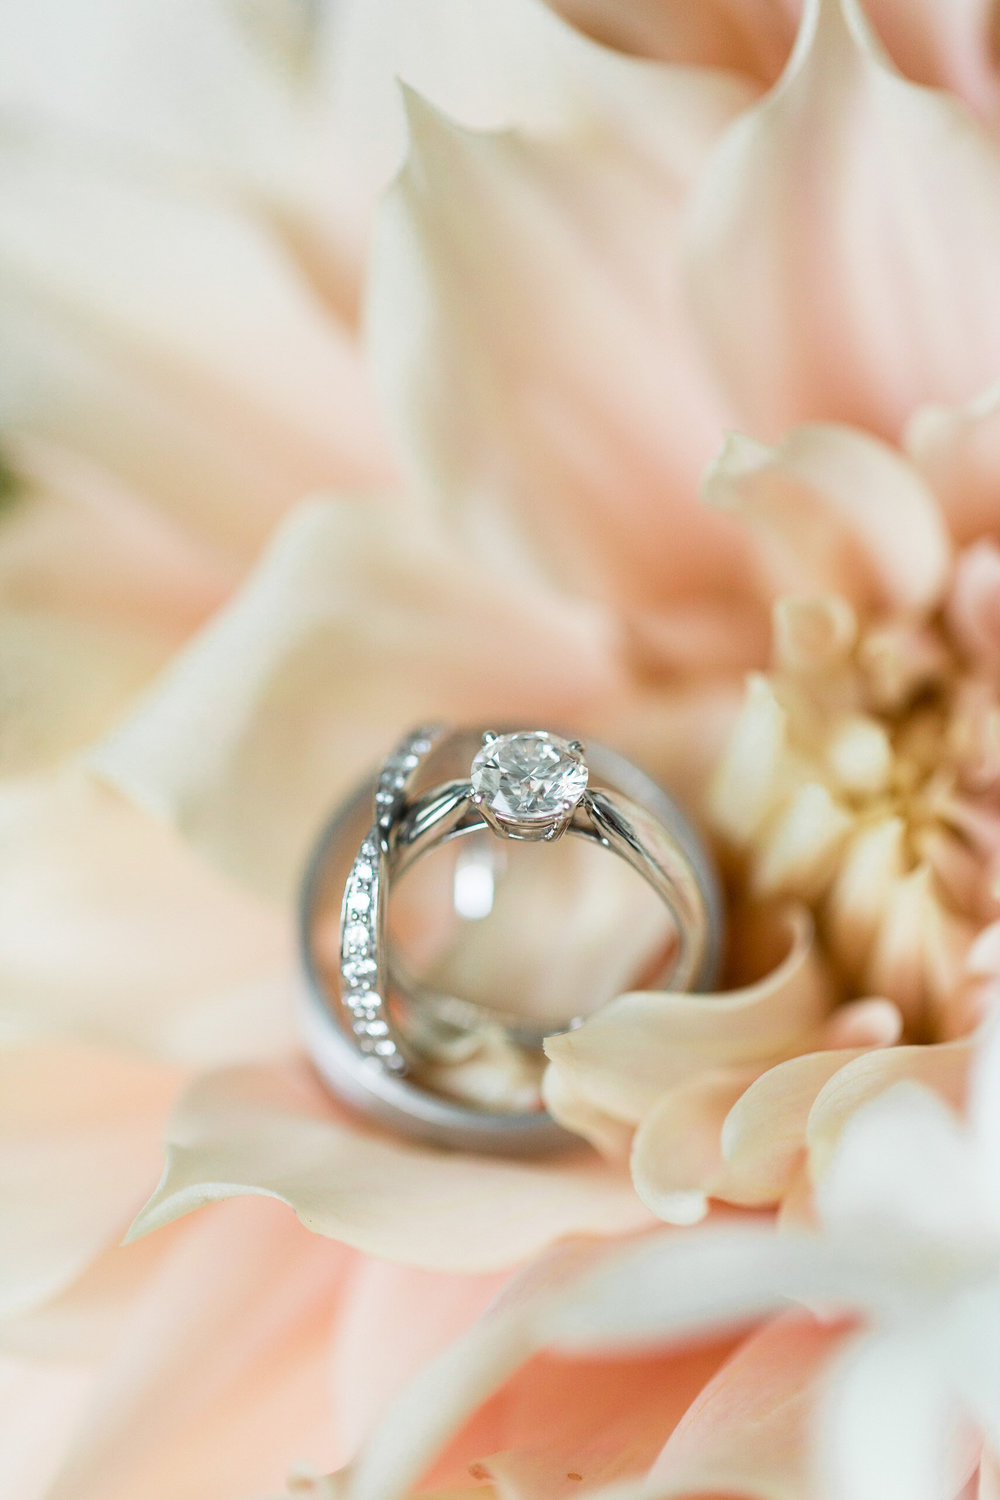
x=274 y=1131
x=40 y=1405
x=843 y=246
x=360 y=620
x=943 y=1067
x=892 y=1426
x=80 y=1131
x=750 y=1432
x=170 y=339
x=111 y=931
x=531 y=348
x=949 y=46
x=630 y=1053
x=836 y=512
x=958 y=451
x=219 y=1383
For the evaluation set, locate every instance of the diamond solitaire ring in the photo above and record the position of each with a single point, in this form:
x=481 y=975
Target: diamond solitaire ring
x=382 y=1041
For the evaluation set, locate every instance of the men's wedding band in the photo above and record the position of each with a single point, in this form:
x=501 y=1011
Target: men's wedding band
x=440 y=784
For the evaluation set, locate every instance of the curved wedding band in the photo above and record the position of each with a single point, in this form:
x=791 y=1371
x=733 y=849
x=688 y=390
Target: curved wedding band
x=439 y=785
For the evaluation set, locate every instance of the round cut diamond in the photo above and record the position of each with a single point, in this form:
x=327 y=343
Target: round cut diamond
x=529 y=777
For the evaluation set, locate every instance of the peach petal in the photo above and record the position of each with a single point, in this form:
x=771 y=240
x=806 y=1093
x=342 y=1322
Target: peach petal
x=750 y=1431
x=80 y=1130
x=958 y=451
x=112 y=932
x=677 y=1159
x=359 y=620
x=272 y=1131
x=394 y=1320
x=628 y=1054
x=133 y=320
x=219 y=1382
x=804 y=322
x=835 y=511
x=864 y=1023
x=943 y=1067
x=665 y=1288
x=594 y=459
x=566 y=1424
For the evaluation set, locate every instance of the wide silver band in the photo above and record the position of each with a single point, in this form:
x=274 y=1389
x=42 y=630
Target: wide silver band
x=367 y=1026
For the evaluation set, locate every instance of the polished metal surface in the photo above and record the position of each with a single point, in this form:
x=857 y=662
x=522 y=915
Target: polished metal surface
x=369 y=1025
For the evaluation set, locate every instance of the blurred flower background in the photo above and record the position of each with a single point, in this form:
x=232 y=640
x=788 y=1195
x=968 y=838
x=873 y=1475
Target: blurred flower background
x=635 y=368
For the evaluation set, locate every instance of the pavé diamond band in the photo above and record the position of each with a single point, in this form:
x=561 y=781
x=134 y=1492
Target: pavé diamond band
x=371 y=1031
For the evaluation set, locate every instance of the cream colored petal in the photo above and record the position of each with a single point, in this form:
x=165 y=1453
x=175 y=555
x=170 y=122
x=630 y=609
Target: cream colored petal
x=984 y=1112
x=631 y=1052
x=189 y=89
x=486 y=67
x=80 y=1133
x=677 y=1161
x=112 y=932
x=919 y=953
x=798 y=852
x=872 y=865
x=891 y=1426
x=360 y=620
x=837 y=512
x=813 y=634
x=756 y=769
x=943 y=1068
x=843 y=245
x=170 y=339
x=958 y=451
x=750 y=1433
x=219 y=1383
x=273 y=1131
x=531 y=349
x=763 y=1137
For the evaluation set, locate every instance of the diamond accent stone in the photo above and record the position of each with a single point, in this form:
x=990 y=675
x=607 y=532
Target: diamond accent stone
x=529 y=777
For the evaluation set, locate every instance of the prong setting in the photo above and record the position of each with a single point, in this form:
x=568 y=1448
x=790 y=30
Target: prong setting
x=527 y=785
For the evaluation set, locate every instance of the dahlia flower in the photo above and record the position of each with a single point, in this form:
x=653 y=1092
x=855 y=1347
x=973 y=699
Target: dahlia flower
x=371 y=363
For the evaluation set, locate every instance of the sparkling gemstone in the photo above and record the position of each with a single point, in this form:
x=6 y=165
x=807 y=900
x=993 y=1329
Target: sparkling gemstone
x=356 y=938
x=358 y=900
x=359 y=971
x=530 y=777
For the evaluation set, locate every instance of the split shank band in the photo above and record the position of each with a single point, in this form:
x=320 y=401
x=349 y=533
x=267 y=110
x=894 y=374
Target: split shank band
x=366 y=1027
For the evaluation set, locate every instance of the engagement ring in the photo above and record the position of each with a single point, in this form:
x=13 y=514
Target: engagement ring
x=375 y=1033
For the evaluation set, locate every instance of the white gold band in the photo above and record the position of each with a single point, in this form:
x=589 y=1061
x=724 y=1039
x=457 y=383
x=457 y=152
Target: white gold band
x=421 y=799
